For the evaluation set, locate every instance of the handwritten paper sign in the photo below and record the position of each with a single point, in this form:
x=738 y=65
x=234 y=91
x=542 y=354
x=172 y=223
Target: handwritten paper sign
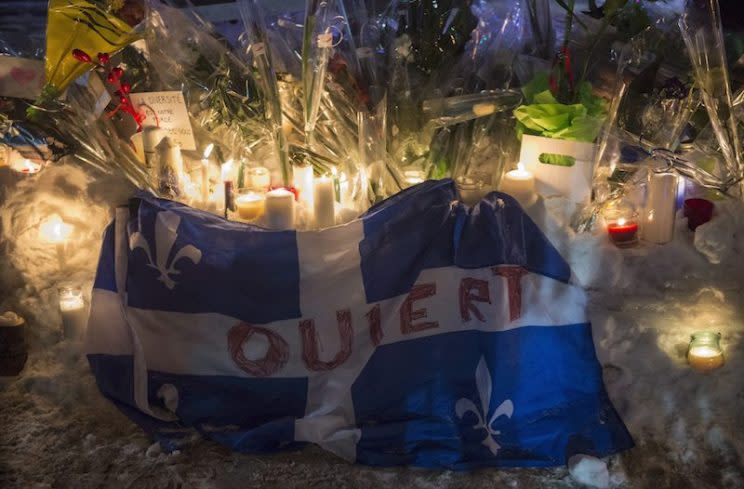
x=20 y=77
x=172 y=115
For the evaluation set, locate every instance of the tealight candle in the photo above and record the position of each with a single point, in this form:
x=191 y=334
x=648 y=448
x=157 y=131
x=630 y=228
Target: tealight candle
x=55 y=230
x=413 y=177
x=622 y=226
x=324 y=202
x=72 y=309
x=302 y=180
x=279 y=212
x=250 y=204
x=259 y=178
x=520 y=184
x=705 y=353
x=24 y=165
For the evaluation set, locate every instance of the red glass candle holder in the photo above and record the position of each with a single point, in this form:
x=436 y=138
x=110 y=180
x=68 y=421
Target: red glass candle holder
x=622 y=227
x=697 y=212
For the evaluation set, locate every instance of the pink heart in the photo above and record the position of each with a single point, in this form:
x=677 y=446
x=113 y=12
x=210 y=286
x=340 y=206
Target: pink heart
x=22 y=76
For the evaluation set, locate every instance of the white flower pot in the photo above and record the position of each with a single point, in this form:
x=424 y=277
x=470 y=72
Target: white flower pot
x=573 y=182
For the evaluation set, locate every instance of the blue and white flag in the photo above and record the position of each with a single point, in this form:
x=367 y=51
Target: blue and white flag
x=424 y=333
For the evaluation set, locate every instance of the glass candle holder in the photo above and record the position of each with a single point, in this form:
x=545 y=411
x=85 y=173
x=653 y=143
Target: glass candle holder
x=471 y=189
x=73 y=311
x=258 y=178
x=705 y=353
x=622 y=226
x=249 y=204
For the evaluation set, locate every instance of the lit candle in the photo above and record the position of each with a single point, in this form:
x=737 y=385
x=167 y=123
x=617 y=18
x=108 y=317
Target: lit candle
x=413 y=177
x=705 y=353
x=13 y=349
x=659 y=213
x=54 y=230
x=279 y=212
x=205 y=174
x=520 y=184
x=73 y=311
x=259 y=178
x=622 y=227
x=250 y=204
x=302 y=180
x=324 y=202
x=24 y=165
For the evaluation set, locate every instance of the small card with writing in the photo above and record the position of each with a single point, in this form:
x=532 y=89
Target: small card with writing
x=172 y=115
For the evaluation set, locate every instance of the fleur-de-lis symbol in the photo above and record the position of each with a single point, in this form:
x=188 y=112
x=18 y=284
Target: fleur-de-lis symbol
x=166 y=224
x=464 y=405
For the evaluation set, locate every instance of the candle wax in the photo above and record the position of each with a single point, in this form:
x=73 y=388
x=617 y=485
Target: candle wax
x=705 y=358
x=279 y=209
x=520 y=184
x=250 y=205
x=623 y=232
x=324 y=202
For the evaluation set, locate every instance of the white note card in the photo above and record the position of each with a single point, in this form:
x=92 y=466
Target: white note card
x=21 y=77
x=172 y=115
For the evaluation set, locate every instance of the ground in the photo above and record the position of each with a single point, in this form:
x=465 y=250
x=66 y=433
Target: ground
x=57 y=431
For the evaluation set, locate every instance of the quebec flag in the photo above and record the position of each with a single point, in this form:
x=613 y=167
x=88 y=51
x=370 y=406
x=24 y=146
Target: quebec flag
x=424 y=333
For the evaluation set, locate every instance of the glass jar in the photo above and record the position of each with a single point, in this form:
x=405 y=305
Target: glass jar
x=705 y=353
x=622 y=225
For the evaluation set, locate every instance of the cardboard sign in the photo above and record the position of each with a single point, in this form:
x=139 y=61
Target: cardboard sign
x=20 y=77
x=172 y=115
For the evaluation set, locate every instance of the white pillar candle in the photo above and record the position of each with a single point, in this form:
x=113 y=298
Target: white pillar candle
x=259 y=178
x=302 y=180
x=250 y=205
x=279 y=211
x=658 y=215
x=324 y=202
x=205 y=174
x=520 y=184
x=73 y=311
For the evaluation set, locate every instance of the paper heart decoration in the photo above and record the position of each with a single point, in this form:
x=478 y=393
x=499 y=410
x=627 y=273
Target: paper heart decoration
x=22 y=76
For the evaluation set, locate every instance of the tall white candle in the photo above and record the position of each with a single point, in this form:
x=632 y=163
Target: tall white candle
x=520 y=184
x=658 y=215
x=73 y=311
x=324 y=202
x=302 y=180
x=205 y=174
x=279 y=211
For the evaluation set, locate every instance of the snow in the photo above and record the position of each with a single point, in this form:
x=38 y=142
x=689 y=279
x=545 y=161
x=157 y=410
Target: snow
x=589 y=471
x=56 y=430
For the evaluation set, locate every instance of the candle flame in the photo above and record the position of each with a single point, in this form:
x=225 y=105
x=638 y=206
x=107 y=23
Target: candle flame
x=208 y=150
x=26 y=166
x=520 y=167
x=55 y=230
x=621 y=221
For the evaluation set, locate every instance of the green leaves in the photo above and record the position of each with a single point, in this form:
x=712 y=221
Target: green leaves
x=543 y=115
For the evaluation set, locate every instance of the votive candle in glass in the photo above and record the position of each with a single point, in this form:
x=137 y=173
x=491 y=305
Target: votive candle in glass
x=622 y=226
x=259 y=178
x=72 y=309
x=250 y=204
x=705 y=353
